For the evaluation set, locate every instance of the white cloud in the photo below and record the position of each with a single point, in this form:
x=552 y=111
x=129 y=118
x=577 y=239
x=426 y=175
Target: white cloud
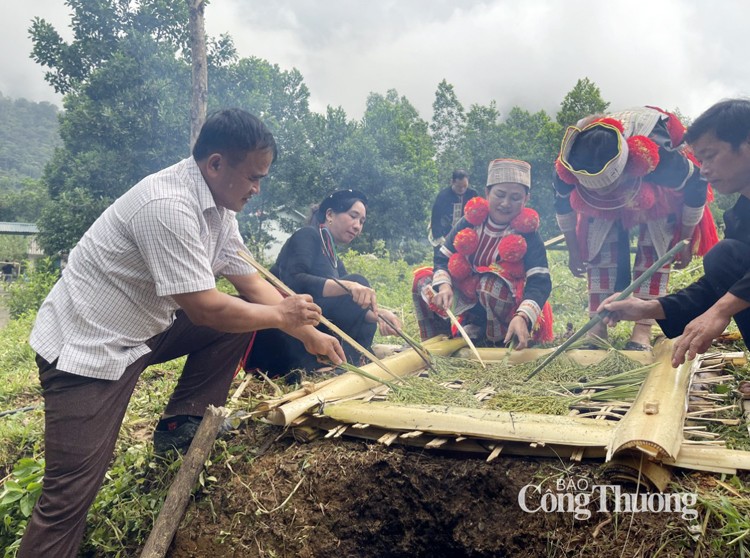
x=672 y=53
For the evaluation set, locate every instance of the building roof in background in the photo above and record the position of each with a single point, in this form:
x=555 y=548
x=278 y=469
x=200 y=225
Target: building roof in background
x=18 y=228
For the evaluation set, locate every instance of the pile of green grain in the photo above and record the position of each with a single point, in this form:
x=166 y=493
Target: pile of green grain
x=552 y=391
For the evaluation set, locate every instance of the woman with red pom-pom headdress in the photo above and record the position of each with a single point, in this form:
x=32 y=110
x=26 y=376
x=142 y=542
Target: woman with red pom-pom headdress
x=492 y=270
x=629 y=170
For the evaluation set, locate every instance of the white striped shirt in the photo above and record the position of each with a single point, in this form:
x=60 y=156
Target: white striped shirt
x=165 y=236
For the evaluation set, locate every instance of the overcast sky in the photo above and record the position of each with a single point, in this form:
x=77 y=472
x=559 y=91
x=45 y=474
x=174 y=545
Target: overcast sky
x=684 y=54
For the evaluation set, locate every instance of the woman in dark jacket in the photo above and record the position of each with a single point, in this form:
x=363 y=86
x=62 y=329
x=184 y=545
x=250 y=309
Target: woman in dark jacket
x=309 y=263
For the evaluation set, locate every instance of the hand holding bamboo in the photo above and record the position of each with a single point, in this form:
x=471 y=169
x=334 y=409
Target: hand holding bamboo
x=465 y=335
x=599 y=316
x=279 y=284
x=418 y=348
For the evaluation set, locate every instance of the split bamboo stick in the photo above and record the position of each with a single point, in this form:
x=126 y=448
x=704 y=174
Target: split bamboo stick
x=477 y=423
x=654 y=422
x=349 y=384
x=579 y=356
x=599 y=316
x=465 y=335
x=279 y=284
x=709 y=458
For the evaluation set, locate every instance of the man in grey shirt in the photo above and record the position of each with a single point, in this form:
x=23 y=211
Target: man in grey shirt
x=139 y=289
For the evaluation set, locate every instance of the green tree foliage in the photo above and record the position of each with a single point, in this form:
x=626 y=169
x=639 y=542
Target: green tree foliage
x=584 y=99
x=98 y=28
x=331 y=136
x=22 y=199
x=28 y=136
x=448 y=129
x=125 y=84
x=535 y=138
x=482 y=140
x=390 y=156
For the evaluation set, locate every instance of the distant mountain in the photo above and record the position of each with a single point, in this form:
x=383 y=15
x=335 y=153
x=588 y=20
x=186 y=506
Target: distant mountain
x=28 y=137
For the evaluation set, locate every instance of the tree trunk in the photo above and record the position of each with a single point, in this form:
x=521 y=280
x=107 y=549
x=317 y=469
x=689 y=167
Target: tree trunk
x=200 y=68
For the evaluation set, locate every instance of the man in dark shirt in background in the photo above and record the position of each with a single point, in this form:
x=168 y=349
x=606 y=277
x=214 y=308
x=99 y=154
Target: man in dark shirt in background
x=720 y=138
x=449 y=206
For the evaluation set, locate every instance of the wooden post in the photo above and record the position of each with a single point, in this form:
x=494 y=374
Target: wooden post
x=179 y=493
x=200 y=68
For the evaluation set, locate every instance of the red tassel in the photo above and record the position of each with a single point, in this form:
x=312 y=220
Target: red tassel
x=543 y=332
x=706 y=233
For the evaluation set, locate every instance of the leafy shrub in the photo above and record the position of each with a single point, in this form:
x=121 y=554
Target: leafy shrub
x=20 y=493
x=29 y=291
x=123 y=513
x=391 y=281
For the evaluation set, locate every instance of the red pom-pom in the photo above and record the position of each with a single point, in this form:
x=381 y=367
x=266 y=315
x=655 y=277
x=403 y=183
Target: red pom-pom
x=526 y=222
x=644 y=200
x=513 y=270
x=512 y=248
x=612 y=122
x=466 y=241
x=459 y=267
x=643 y=156
x=468 y=287
x=564 y=174
x=476 y=210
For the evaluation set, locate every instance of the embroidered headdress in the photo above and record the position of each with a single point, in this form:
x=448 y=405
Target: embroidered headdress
x=509 y=170
x=637 y=155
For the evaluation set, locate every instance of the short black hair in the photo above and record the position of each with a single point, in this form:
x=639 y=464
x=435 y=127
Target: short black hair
x=459 y=174
x=729 y=120
x=234 y=133
x=592 y=149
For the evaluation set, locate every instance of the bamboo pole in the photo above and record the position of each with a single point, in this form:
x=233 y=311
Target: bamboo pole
x=654 y=422
x=350 y=384
x=178 y=495
x=478 y=423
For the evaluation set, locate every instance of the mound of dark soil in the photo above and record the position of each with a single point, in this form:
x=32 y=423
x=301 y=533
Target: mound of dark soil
x=341 y=498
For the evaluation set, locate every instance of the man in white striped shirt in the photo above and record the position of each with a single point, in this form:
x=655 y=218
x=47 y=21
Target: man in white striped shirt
x=139 y=289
